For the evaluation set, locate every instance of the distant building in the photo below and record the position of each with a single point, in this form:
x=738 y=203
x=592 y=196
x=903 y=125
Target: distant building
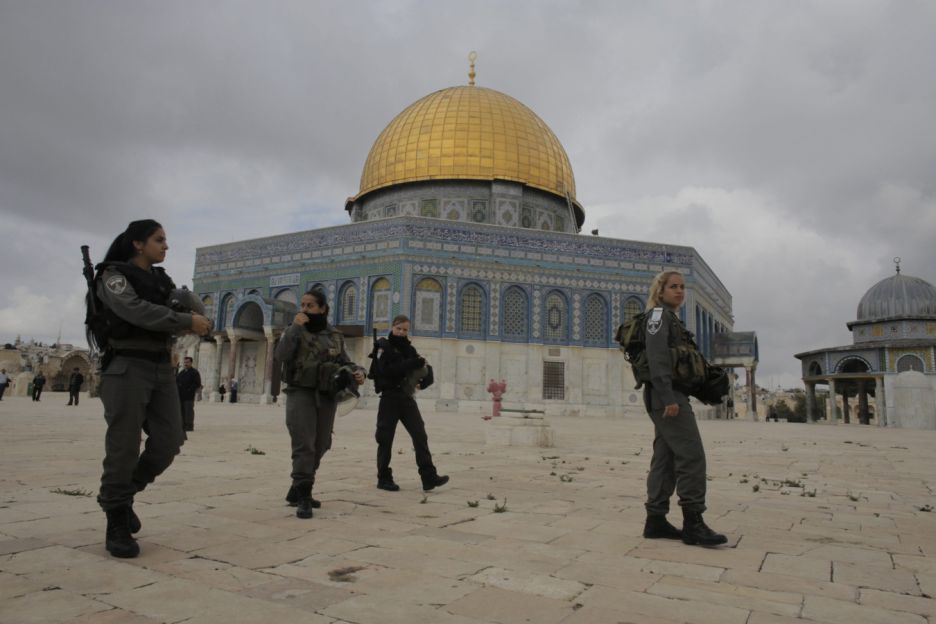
x=56 y=361
x=892 y=360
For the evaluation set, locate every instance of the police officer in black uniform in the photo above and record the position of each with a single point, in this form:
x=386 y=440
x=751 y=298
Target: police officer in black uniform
x=399 y=372
x=316 y=369
x=678 y=461
x=138 y=386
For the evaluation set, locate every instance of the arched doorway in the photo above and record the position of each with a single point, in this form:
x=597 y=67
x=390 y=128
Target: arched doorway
x=59 y=383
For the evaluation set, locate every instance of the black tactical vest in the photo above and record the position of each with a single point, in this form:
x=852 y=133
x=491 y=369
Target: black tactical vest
x=153 y=286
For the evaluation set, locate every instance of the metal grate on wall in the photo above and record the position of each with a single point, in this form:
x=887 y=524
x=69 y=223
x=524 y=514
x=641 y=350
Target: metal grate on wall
x=554 y=380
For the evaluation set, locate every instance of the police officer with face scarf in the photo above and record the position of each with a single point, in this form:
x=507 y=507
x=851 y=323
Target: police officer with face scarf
x=317 y=368
x=400 y=370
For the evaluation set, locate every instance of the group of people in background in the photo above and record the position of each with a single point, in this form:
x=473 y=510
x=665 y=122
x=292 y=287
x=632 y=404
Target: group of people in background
x=75 y=381
x=142 y=393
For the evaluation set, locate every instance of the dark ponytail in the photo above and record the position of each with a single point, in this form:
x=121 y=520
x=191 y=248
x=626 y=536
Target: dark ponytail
x=122 y=249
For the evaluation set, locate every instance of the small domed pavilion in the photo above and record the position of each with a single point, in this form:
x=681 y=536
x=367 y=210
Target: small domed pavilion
x=892 y=359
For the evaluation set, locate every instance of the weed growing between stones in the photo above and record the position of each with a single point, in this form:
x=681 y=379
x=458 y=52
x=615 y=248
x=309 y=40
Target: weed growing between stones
x=74 y=492
x=254 y=450
x=502 y=507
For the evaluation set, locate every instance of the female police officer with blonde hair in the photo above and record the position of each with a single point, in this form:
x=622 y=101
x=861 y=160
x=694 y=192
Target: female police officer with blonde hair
x=678 y=462
x=138 y=387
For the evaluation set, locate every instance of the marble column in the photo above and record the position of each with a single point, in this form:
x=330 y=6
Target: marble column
x=232 y=356
x=833 y=404
x=214 y=379
x=862 y=403
x=752 y=394
x=266 y=397
x=880 y=406
x=810 y=402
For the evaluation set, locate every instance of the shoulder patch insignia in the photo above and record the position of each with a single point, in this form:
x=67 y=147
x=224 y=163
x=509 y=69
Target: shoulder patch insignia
x=655 y=321
x=117 y=284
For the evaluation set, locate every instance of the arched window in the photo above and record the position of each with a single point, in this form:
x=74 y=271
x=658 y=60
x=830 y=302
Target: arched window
x=347 y=309
x=428 y=305
x=471 y=311
x=516 y=316
x=288 y=296
x=227 y=311
x=556 y=317
x=632 y=307
x=814 y=369
x=596 y=320
x=380 y=304
x=909 y=363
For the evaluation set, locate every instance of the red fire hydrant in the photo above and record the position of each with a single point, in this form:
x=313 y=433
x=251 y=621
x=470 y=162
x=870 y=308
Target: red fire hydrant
x=497 y=390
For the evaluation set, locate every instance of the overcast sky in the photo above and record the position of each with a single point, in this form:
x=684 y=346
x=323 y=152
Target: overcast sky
x=793 y=144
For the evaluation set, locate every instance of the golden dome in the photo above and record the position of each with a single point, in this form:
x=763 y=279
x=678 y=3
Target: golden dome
x=469 y=133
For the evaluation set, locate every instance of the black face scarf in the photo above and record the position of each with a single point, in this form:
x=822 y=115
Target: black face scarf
x=402 y=344
x=317 y=322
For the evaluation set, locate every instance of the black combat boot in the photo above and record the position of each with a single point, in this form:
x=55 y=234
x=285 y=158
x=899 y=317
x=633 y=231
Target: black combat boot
x=304 y=501
x=135 y=524
x=388 y=484
x=696 y=532
x=292 y=498
x=433 y=482
x=658 y=527
x=119 y=541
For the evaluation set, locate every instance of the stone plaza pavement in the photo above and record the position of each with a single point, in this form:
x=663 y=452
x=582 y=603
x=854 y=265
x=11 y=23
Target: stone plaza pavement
x=826 y=524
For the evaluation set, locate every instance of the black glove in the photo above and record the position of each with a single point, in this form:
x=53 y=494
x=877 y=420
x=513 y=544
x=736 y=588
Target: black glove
x=427 y=380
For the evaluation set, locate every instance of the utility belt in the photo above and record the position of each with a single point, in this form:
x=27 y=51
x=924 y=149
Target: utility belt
x=158 y=357
x=322 y=376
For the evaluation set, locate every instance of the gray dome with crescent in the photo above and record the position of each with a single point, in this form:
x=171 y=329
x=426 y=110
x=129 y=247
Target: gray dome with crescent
x=898 y=296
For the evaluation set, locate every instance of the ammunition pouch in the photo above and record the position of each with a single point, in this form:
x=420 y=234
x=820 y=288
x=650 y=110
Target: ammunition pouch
x=640 y=367
x=328 y=383
x=689 y=368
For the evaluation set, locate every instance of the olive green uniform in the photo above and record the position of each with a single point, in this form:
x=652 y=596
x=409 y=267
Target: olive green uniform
x=678 y=462
x=138 y=390
x=310 y=413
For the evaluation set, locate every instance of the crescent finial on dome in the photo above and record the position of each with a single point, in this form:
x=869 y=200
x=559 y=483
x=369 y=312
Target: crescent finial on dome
x=471 y=72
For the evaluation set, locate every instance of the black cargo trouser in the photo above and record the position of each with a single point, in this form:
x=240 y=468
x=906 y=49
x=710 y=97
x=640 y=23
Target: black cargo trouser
x=678 y=462
x=188 y=414
x=394 y=408
x=310 y=419
x=136 y=391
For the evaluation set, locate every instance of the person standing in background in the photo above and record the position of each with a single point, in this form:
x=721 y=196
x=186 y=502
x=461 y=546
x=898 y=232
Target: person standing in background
x=75 y=380
x=188 y=381
x=38 y=384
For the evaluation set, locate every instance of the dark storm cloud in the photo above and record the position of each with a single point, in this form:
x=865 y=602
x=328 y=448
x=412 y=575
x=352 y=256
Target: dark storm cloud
x=790 y=143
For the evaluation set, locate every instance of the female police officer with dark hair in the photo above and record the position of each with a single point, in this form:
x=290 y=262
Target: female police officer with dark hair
x=678 y=461
x=317 y=368
x=138 y=386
